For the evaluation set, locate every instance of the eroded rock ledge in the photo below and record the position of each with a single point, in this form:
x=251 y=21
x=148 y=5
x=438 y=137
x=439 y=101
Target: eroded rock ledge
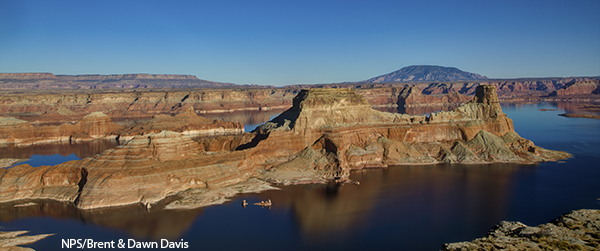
x=576 y=230
x=326 y=134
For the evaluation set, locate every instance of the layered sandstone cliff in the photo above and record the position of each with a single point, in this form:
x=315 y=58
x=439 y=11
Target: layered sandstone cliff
x=46 y=108
x=93 y=126
x=587 y=87
x=326 y=134
x=412 y=97
x=97 y=125
x=60 y=106
x=342 y=133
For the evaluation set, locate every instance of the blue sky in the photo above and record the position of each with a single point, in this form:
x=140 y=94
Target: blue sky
x=300 y=42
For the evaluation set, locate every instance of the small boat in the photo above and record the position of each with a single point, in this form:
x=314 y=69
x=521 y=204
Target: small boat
x=244 y=203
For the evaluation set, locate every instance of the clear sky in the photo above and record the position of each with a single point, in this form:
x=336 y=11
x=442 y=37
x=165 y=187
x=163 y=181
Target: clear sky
x=300 y=42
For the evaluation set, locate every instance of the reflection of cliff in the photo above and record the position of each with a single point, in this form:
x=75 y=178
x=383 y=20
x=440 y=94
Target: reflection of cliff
x=474 y=192
x=567 y=106
x=136 y=220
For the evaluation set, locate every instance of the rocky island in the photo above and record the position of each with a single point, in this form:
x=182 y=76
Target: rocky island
x=576 y=230
x=321 y=138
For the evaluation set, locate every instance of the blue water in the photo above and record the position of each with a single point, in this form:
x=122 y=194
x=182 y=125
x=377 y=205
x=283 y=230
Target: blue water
x=52 y=154
x=398 y=208
x=48 y=160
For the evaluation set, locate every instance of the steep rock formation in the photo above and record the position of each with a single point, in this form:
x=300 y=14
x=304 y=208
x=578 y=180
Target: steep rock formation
x=340 y=132
x=326 y=133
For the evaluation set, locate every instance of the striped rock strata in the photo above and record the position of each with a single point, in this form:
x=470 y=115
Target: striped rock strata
x=98 y=125
x=326 y=134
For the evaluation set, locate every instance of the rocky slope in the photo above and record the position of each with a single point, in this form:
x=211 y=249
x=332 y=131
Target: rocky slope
x=422 y=73
x=326 y=134
x=576 y=230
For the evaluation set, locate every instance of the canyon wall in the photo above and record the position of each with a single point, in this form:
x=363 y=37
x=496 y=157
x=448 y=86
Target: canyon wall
x=321 y=138
x=56 y=106
x=49 y=108
x=586 y=87
x=99 y=126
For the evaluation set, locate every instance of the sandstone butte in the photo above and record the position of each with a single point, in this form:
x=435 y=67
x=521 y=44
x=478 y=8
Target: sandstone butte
x=326 y=134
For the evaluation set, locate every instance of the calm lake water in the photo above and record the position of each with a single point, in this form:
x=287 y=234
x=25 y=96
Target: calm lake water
x=398 y=208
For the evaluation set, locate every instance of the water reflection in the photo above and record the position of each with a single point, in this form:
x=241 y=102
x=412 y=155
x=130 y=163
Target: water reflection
x=52 y=154
x=404 y=207
x=563 y=106
x=136 y=220
x=437 y=195
x=80 y=149
x=566 y=106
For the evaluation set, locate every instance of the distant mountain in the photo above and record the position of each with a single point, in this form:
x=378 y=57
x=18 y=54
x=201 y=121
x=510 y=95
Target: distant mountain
x=421 y=73
x=34 y=81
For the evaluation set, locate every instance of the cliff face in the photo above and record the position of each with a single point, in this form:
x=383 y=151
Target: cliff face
x=413 y=97
x=93 y=126
x=578 y=88
x=326 y=133
x=98 y=125
x=340 y=135
x=52 y=108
